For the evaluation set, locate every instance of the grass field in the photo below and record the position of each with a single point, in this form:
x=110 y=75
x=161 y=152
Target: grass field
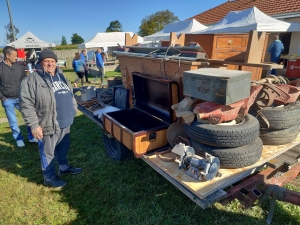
x=107 y=192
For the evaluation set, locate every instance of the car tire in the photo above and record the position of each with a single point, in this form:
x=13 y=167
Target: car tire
x=232 y=158
x=279 y=117
x=279 y=137
x=224 y=136
x=115 y=149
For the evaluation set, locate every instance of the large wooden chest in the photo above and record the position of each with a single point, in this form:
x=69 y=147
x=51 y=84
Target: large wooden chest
x=144 y=127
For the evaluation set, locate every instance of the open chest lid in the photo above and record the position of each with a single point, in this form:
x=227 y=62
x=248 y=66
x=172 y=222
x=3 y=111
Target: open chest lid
x=155 y=96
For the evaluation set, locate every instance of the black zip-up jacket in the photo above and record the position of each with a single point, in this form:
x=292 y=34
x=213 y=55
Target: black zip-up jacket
x=10 y=80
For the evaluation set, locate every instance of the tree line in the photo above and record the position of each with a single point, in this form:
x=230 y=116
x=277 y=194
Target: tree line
x=149 y=25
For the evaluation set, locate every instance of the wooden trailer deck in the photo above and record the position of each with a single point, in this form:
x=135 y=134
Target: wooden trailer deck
x=208 y=192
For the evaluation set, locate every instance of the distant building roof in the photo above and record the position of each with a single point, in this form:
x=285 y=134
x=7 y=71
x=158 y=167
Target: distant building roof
x=269 y=7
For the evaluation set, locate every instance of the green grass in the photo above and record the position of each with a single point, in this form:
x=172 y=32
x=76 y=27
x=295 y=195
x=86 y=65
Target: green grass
x=107 y=192
x=71 y=75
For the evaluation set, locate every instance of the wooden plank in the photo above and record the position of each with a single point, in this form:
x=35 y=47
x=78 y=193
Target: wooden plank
x=229 y=176
x=255 y=47
x=131 y=41
x=203 y=203
x=174 y=40
x=264 y=65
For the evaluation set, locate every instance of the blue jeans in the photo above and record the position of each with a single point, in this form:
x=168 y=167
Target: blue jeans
x=9 y=106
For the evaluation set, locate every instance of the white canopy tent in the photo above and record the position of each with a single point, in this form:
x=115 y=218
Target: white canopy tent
x=186 y=27
x=247 y=20
x=110 y=39
x=29 y=40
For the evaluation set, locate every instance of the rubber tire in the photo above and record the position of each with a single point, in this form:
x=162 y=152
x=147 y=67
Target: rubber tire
x=115 y=149
x=224 y=136
x=279 y=117
x=279 y=137
x=232 y=158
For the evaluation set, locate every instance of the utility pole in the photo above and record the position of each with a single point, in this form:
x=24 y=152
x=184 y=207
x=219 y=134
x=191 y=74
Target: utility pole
x=11 y=20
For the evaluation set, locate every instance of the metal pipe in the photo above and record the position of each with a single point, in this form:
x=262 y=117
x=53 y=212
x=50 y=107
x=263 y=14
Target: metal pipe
x=11 y=20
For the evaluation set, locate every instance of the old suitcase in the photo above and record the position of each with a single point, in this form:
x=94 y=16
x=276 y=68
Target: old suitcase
x=144 y=127
x=217 y=85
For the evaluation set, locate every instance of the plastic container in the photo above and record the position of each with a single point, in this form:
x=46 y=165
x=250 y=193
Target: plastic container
x=85 y=94
x=293 y=68
x=92 y=91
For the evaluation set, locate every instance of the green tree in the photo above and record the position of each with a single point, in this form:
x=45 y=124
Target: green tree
x=9 y=33
x=76 y=39
x=63 y=41
x=155 y=22
x=114 y=26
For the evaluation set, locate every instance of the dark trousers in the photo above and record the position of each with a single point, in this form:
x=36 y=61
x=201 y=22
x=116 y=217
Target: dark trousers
x=86 y=74
x=51 y=147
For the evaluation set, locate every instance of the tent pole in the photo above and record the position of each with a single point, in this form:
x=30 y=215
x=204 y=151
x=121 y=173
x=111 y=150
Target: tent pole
x=11 y=20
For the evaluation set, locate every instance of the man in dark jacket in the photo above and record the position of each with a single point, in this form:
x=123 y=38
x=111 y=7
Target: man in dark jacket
x=11 y=76
x=48 y=108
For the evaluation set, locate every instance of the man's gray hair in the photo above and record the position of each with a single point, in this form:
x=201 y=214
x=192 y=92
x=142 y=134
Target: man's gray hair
x=8 y=50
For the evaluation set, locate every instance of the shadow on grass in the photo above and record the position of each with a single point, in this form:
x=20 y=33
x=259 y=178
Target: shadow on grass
x=129 y=192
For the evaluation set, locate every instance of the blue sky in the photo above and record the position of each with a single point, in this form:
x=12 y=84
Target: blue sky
x=50 y=20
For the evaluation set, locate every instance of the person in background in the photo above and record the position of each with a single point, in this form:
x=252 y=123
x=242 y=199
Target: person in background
x=104 y=59
x=84 y=60
x=48 y=107
x=11 y=76
x=80 y=67
x=275 y=50
x=100 y=65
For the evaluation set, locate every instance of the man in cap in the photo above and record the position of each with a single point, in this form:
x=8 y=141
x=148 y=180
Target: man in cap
x=48 y=108
x=11 y=76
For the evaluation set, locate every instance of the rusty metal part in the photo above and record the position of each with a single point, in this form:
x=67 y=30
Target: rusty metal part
x=272 y=80
x=217 y=113
x=286 y=177
x=252 y=188
x=166 y=155
x=292 y=91
x=248 y=102
x=174 y=131
x=183 y=140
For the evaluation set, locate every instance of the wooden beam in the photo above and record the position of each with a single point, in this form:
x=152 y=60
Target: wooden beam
x=131 y=41
x=176 y=41
x=255 y=47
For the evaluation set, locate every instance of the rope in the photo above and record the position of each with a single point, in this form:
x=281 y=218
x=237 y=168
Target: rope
x=277 y=193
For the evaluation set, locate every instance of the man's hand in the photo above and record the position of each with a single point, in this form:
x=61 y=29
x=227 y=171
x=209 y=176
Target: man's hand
x=37 y=133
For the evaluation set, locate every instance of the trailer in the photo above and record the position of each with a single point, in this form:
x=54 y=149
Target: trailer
x=138 y=125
